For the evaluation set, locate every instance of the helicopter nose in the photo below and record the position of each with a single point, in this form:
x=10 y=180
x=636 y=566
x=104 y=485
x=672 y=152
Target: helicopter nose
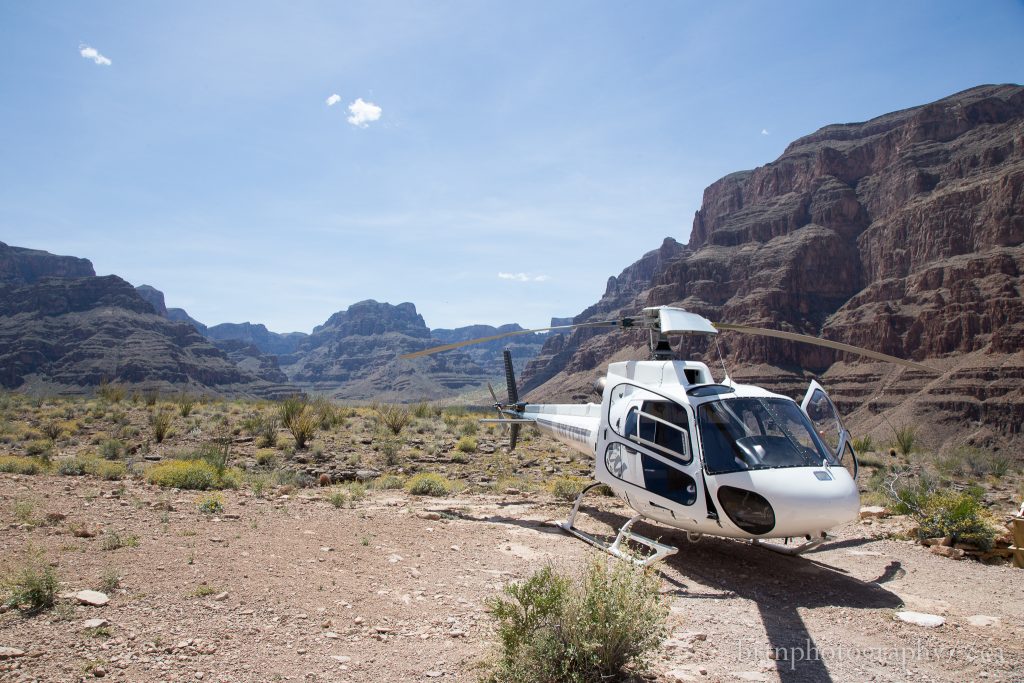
x=805 y=500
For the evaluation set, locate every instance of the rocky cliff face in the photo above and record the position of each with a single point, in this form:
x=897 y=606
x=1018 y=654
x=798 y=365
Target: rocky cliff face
x=20 y=266
x=354 y=356
x=901 y=234
x=64 y=330
x=258 y=336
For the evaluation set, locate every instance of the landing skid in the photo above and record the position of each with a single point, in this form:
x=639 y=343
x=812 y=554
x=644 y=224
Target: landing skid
x=792 y=549
x=659 y=550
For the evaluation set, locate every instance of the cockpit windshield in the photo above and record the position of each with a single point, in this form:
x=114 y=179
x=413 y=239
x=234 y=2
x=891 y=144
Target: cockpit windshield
x=741 y=434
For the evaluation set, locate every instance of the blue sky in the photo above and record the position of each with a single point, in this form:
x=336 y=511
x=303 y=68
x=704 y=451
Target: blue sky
x=552 y=142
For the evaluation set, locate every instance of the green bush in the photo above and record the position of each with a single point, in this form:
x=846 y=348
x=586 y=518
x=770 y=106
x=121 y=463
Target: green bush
x=32 y=588
x=266 y=457
x=17 y=464
x=567 y=488
x=394 y=417
x=41 y=448
x=863 y=444
x=264 y=428
x=196 y=475
x=338 y=499
x=905 y=439
x=945 y=512
x=72 y=467
x=299 y=419
x=186 y=402
x=603 y=627
x=211 y=504
x=112 y=449
x=388 y=481
x=160 y=420
x=104 y=469
x=429 y=484
x=466 y=444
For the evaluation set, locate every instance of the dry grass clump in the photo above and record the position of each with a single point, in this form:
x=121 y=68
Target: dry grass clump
x=567 y=488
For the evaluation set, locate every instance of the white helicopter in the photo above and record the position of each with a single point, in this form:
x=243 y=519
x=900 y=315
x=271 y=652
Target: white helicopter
x=723 y=459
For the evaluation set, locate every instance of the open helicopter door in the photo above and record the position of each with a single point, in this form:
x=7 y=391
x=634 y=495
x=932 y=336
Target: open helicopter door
x=829 y=426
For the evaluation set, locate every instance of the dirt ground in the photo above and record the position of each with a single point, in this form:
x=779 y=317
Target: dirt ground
x=393 y=588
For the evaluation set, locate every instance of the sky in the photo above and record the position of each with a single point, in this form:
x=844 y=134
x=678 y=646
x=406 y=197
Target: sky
x=491 y=162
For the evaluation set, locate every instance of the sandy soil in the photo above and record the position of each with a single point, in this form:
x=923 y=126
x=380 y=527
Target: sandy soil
x=394 y=589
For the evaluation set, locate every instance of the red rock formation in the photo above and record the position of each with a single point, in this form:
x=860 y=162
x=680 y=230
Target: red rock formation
x=901 y=234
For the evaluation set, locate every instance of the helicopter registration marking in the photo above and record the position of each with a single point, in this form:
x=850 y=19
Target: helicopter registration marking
x=581 y=434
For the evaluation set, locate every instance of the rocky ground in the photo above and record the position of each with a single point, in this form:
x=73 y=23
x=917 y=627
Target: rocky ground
x=393 y=588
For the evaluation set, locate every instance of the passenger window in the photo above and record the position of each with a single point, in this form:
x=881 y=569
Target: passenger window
x=622 y=463
x=662 y=425
x=662 y=479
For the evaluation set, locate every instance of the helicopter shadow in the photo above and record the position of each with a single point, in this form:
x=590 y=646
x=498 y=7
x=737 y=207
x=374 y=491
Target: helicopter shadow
x=779 y=585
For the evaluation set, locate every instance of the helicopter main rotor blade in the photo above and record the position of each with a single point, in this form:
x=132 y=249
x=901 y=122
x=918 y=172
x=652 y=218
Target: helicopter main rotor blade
x=469 y=342
x=838 y=346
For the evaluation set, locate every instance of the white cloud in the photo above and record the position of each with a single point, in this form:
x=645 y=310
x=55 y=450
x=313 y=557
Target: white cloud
x=363 y=113
x=523 y=277
x=93 y=54
x=764 y=131
x=333 y=99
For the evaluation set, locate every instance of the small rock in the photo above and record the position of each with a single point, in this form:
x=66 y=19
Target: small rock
x=434 y=674
x=326 y=549
x=332 y=635
x=93 y=598
x=433 y=516
x=947 y=551
x=95 y=623
x=982 y=620
x=868 y=511
x=99 y=671
x=341 y=659
x=221 y=597
x=921 y=619
x=11 y=652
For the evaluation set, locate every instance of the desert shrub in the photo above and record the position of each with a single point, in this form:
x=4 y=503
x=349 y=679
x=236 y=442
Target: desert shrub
x=113 y=540
x=466 y=444
x=196 y=475
x=263 y=427
x=959 y=515
x=422 y=410
x=211 y=504
x=388 y=481
x=216 y=454
x=356 y=491
x=290 y=407
x=186 y=402
x=266 y=457
x=429 y=484
x=53 y=430
x=601 y=627
x=338 y=498
x=390 y=449
x=160 y=420
x=17 y=464
x=150 y=397
x=105 y=469
x=32 y=588
x=863 y=444
x=109 y=581
x=326 y=415
x=299 y=419
x=40 y=448
x=394 y=417
x=257 y=483
x=72 y=467
x=108 y=391
x=112 y=449
x=567 y=488
x=905 y=439
x=967 y=461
